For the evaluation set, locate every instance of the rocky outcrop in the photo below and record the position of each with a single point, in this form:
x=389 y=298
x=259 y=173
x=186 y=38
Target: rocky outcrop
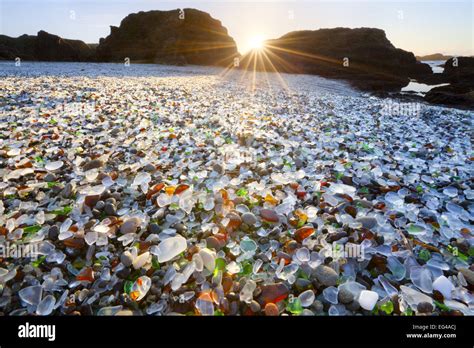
x=459 y=70
x=52 y=47
x=459 y=73
x=186 y=36
x=22 y=47
x=363 y=56
x=44 y=47
x=434 y=56
x=452 y=95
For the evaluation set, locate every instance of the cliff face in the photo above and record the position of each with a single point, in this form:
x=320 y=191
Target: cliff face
x=364 y=56
x=44 y=47
x=173 y=37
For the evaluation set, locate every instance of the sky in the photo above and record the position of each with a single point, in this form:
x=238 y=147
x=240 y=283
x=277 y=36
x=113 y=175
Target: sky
x=419 y=26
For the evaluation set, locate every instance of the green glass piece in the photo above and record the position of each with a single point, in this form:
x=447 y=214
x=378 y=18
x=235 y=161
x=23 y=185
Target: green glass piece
x=32 y=229
x=241 y=192
x=220 y=264
x=387 y=307
x=414 y=229
x=425 y=255
x=294 y=306
x=127 y=286
x=39 y=261
x=154 y=263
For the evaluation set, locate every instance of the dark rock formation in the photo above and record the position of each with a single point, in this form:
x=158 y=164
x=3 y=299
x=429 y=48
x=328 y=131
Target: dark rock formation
x=459 y=69
x=52 y=47
x=167 y=37
x=459 y=73
x=364 y=56
x=452 y=95
x=22 y=47
x=44 y=47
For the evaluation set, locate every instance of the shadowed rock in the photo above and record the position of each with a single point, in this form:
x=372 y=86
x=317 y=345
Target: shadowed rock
x=44 y=47
x=51 y=47
x=459 y=70
x=171 y=37
x=459 y=73
x=22 y=47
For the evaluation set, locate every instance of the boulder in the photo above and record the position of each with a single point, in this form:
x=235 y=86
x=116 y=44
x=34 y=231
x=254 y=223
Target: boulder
x=459 y=70
x=456 y=94
x=459 y=73
x=363 y=56
x=179 y=37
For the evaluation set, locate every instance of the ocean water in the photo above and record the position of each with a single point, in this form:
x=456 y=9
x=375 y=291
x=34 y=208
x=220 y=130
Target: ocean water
x=421 y=88
x=436 y=65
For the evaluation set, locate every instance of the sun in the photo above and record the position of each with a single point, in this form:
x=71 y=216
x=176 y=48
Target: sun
x=256 y=42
